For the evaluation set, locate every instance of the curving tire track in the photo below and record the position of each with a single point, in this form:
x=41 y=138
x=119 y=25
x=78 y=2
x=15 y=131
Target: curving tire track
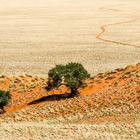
x=103 y=30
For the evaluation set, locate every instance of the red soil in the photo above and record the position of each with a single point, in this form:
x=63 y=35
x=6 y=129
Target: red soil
x=25 y=89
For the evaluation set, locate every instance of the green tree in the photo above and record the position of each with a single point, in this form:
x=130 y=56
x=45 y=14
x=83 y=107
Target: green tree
x=71 y=75
x=4 y=99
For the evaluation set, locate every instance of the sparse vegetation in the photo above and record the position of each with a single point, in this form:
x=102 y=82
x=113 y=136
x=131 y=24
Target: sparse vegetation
x=71 y=75
x=105 y=100
x=4 y=99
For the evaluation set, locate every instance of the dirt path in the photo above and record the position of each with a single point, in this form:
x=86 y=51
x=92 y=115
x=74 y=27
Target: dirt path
x=104 y=29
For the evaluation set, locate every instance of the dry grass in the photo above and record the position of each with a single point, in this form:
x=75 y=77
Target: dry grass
x=110 y=94
x=50 y=131
x=108 y=108
x=34 y=39
x=100 y=34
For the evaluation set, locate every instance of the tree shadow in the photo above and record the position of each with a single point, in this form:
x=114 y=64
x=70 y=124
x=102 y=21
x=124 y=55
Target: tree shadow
x=57 y=97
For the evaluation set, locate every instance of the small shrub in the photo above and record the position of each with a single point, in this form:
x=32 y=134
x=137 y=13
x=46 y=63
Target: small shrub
x=4 y=99
x=71 y=75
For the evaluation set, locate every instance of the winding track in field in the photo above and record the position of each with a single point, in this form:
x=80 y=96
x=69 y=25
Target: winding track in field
x=104 y=29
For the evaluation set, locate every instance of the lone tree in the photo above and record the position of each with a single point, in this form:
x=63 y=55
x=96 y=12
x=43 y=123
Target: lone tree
x=4 y=99
x=71 y=75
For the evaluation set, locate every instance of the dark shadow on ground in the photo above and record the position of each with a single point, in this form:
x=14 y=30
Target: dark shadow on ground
x=57 y=97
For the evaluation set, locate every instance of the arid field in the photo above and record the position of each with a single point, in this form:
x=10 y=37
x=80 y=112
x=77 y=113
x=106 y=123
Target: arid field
x=108 y=108
x=36 y=35
x=102 y=35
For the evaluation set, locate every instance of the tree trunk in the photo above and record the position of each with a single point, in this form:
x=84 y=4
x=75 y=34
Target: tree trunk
x=74 y=92
x=2 y=108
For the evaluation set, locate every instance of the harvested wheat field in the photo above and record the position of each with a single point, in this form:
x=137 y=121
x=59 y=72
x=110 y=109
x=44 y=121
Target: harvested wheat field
x=103 y=36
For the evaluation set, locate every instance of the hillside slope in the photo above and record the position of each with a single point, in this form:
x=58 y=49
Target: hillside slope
x=108 y=108
x=109 y=97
